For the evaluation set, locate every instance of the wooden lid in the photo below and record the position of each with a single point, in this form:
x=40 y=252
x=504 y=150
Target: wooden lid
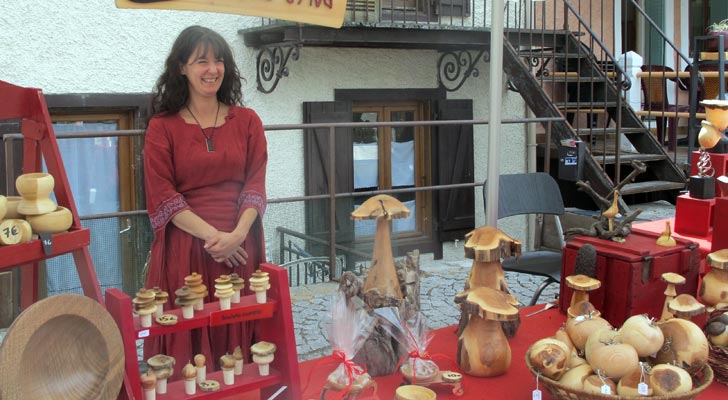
x=62 y=347
x=718 y=259
x=488 y=244
x=381 y=205
x=487 y=303
x=582 y=282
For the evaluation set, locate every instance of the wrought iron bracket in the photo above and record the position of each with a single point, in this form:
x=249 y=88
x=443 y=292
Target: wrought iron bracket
x=271 y=64
x=455 y=67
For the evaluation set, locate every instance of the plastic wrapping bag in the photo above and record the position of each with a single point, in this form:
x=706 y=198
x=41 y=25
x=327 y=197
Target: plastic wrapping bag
x=348 y=329
x=414 y=336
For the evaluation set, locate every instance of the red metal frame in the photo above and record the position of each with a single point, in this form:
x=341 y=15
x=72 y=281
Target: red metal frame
x=28 y=105
x=274 y=324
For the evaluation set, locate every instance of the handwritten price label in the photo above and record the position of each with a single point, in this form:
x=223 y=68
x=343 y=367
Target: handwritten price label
x=10 y=232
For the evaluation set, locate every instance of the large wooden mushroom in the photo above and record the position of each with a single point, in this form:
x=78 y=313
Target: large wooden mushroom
x=486 y=246
x=714 y=288
x=381 y=288
x=483 y=348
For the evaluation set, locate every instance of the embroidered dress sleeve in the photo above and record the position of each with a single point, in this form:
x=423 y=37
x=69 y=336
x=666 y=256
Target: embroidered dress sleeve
x=163 y=200
x=253 y=193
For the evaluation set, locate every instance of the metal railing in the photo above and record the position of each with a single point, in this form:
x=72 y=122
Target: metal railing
x=333 y=193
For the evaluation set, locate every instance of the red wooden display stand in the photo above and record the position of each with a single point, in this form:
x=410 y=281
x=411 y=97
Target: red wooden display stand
x=694 y=216
x=28 y=105
x=719 y=162
x=274 y=323
x=720 y=229
x=630 y=274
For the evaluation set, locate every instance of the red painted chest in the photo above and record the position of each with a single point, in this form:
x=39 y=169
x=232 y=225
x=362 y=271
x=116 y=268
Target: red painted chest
x=630 y=274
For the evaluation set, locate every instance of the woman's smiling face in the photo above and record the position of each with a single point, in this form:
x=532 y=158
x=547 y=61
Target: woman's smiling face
x=204 y=71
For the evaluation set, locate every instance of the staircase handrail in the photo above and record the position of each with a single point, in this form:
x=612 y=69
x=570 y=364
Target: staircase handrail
x=662 y=34
x=626 y=81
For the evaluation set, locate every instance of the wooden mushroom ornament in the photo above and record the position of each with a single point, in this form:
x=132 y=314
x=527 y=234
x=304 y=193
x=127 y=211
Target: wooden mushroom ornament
x=483 y=348
x=671 y=279
x=582 y=285
x=685 y=306
x=486 y=246
x=189 y=374
x=381 y=288
x=714 y=287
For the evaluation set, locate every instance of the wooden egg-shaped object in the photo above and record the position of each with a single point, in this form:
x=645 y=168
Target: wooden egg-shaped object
x=714 y=287
x=12 y=208
x=709 y=135
x=53 y=222
x=716 y=111
x=11 y=227
x=10 y=232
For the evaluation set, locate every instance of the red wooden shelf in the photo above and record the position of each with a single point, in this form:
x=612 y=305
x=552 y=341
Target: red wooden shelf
x=273 y=323
x=27 y=253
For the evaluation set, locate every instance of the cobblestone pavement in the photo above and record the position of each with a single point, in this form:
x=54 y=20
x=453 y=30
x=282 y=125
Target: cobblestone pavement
x=440 y=280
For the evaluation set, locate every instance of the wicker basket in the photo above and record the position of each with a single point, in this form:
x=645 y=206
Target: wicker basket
x=718 y=356
x=559 y=391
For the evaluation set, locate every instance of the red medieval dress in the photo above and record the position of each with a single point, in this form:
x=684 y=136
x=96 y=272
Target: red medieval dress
x=218 y=186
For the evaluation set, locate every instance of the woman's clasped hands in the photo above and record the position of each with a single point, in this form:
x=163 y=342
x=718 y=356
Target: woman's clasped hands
x=227 y=247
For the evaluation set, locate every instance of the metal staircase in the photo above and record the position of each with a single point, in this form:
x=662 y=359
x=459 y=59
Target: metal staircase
x=570 y=73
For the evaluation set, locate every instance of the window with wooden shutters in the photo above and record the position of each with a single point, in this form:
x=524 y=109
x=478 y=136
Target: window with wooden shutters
x=453 y=150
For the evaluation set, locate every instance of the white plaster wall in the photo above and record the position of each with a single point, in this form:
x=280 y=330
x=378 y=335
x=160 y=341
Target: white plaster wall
x=91 y=47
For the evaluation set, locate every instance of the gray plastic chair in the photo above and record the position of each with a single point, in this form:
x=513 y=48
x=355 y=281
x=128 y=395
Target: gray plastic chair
x=534 y=193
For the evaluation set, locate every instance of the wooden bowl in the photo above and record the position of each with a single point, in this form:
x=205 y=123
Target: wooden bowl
x=36 y=189
x=414 y=392
x=12 y=211
x=62 y=347
x=53 y=222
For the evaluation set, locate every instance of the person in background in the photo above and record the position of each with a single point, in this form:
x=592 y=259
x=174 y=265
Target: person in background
x=205 y=161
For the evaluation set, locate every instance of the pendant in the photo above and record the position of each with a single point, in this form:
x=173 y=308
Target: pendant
x=210 y=145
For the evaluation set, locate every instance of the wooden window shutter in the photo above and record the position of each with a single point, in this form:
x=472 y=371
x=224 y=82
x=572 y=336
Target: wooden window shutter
x=316 y=145
x=453 y=146
x=454 y=8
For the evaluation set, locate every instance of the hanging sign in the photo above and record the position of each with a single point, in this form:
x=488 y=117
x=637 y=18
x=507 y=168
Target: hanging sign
x=318 y=12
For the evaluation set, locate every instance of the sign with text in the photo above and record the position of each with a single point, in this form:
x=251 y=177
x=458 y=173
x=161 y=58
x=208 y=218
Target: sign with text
x=318 y=12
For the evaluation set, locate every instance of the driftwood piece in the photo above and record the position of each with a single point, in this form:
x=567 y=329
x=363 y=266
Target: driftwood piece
x=601 y=228
x=380 y=353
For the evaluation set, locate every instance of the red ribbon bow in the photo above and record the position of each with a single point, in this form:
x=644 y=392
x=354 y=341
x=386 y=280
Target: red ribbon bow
x=350 y=367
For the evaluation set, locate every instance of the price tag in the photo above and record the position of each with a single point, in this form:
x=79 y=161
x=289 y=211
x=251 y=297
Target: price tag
x=47 y=240
x=642 y=389
x=536 y=395
x=606 y=389
x=143 y=334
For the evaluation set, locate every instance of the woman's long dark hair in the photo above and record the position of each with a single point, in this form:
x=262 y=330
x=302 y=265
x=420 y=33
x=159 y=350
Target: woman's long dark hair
x=171 y=93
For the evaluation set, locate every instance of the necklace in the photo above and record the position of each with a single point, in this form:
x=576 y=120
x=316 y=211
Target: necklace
x=208 y=139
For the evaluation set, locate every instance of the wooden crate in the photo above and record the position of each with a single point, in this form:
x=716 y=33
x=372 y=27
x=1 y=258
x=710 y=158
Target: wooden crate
x=631 y=272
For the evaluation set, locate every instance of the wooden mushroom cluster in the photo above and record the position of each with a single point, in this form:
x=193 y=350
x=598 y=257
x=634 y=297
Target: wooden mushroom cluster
x=194 y=282
x=259 y=283
x=144 y=305
x=224 y=291
x=483 y=348
x=238 y=285
x=186 y=299
x=162 y=367
x=487 y=246
x=643 y=357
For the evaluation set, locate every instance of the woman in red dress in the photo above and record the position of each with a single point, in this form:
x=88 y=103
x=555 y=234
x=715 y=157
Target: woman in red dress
x=204 y=164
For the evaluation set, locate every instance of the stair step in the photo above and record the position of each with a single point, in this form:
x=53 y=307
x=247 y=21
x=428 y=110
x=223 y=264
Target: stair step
x=628 y=157
x=650 y=186
x=549 y=53
x=608 y=131
x=584 y=105
x=551 y=77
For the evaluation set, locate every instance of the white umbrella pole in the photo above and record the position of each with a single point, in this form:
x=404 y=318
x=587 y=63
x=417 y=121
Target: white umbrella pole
x=495 y=96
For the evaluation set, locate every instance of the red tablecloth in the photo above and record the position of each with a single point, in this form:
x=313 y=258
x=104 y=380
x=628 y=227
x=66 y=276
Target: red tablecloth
x=517 y=383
